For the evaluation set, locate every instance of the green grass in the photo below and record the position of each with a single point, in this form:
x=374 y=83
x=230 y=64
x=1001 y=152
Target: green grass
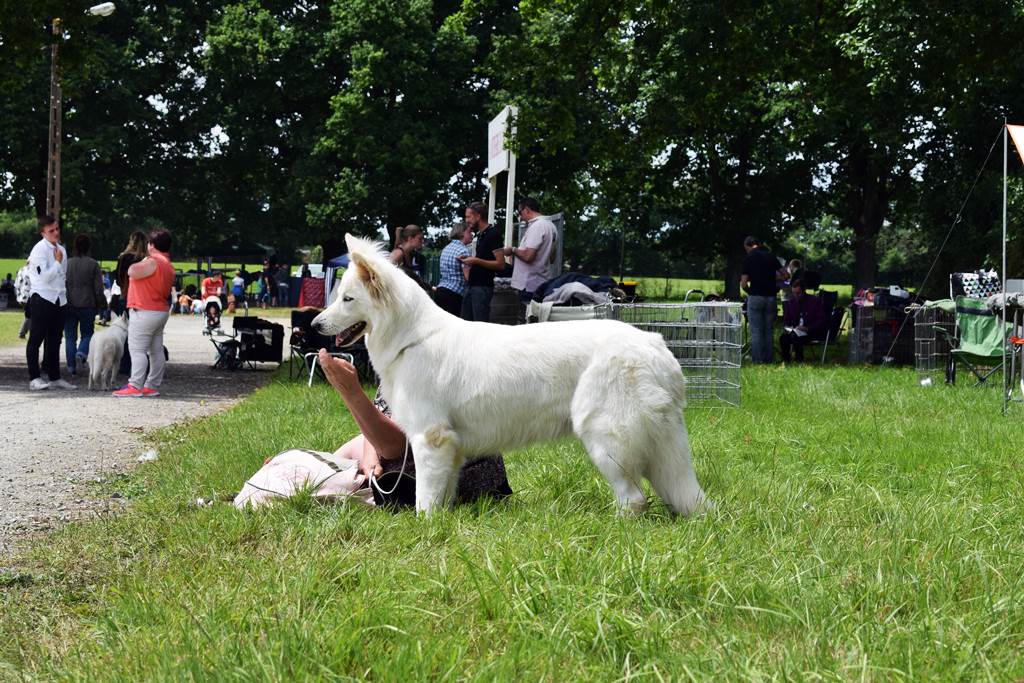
x=867 y=529
x=10 y=324
x=11 y=265
x=675 y=289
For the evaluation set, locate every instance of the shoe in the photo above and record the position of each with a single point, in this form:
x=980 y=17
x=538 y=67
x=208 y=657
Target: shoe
x=62 y=384
x=128 y=391
x=146 y=391
x=38 y=384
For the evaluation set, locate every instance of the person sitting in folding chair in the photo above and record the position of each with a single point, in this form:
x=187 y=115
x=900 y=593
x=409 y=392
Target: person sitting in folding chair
x=803 y=319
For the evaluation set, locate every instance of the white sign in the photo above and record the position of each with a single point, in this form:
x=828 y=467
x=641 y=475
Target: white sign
x=498 y=154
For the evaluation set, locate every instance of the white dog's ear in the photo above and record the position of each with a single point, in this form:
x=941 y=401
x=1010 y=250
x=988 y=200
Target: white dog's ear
x=367 y=273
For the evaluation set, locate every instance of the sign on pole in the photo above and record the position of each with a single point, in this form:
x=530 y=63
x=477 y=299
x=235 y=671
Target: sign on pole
x=500 y=159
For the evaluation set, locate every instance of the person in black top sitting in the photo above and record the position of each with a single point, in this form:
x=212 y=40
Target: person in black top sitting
x=476 y=303
x=803 y=317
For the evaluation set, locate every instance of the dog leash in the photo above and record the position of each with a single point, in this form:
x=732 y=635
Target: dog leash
x=401 y=473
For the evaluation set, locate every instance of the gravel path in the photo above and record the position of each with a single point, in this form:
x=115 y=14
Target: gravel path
x=55 y=443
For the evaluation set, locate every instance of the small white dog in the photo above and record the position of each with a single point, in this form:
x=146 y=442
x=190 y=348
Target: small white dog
x=461 y=388
x=105 y=351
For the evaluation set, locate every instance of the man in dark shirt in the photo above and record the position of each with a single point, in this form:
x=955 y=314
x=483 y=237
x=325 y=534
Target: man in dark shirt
x=759 y=281
x=803 y=317
x=476 y=304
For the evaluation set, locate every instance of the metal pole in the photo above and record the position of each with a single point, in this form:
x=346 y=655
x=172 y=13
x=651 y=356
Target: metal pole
x=53 y=146
x=510 y=127
x=1006 y=135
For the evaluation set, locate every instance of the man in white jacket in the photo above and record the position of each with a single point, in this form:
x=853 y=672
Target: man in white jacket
x=47 y=265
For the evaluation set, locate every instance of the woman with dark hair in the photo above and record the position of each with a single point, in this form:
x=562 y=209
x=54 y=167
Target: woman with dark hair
x=85 y=300
x=135 y=251
x=406 y=254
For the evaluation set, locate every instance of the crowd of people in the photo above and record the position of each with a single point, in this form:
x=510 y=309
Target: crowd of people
x=63 y=296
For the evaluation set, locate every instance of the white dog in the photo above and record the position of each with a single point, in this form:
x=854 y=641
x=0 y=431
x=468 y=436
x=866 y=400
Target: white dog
x=105 y=351
x=461 y=388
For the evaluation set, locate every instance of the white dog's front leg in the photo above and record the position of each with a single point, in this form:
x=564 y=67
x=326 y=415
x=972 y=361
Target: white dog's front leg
x=437 y=468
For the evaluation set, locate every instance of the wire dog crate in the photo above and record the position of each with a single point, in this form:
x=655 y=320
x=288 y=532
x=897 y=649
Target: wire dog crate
x=931 y=348
x=706 y=338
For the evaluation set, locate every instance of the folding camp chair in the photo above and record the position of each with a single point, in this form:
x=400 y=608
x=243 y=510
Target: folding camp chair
x=978 y=342
x=252 y=340
x=305 y=344
x=836 y=316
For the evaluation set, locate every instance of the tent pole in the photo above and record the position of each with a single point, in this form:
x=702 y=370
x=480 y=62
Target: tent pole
x=1006 y=378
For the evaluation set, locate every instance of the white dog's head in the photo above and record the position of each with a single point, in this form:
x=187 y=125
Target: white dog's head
x=368 y=292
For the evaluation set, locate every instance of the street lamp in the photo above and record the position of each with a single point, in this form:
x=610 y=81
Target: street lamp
x=56 y=110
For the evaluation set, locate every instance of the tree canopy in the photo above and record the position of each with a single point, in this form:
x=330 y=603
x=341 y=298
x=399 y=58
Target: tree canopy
x=847 y=132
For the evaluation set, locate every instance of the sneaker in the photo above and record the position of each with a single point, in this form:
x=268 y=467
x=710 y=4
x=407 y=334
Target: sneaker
x=38 y=384
x=62 y=384
x=128 y=391
x=146 y=391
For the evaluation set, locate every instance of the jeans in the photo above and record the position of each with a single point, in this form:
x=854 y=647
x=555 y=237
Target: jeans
x=77 y=318
x=146 y=336
x=45 y=330
x=476 y=304
x=761 y=312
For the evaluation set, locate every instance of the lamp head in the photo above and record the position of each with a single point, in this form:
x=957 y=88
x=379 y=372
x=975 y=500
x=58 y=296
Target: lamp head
x=104 y=9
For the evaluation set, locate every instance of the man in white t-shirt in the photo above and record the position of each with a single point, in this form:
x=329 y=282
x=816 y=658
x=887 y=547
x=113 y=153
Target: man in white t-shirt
x=532 y=258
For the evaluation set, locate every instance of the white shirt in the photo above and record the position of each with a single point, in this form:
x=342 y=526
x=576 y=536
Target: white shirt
x=48 y=277
x=540 y=235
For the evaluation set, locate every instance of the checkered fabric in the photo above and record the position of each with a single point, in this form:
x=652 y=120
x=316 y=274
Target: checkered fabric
x=977 y=285
x=451 y=267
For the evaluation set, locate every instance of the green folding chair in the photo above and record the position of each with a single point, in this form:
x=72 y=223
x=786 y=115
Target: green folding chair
x=978 y=341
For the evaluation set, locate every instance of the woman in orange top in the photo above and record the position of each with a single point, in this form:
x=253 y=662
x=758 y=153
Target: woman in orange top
x=148 y=301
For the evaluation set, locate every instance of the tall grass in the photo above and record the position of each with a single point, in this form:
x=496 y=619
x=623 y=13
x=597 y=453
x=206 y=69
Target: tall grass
x=867 y=528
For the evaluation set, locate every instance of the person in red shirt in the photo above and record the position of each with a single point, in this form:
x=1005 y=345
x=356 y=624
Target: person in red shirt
x=148 y=300
x=212 y=290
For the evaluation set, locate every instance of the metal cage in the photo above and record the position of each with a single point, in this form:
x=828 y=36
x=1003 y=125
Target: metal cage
x=931 y=348
x=706 y=338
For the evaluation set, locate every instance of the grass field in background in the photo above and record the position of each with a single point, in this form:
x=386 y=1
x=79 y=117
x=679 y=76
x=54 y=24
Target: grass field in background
x=10 y=265
x=867 y=528
x=10 y=323
x=651 y=288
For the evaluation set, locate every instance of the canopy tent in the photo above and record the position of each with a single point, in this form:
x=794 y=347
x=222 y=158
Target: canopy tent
x=331 y=266
x=1017 y=133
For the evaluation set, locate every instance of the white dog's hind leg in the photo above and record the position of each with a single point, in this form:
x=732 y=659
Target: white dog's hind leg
x=605 y=427
x=437 y=468
x=608 y=455
x=670 y=469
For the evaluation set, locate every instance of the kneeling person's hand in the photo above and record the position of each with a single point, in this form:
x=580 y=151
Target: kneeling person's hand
x=342 y=375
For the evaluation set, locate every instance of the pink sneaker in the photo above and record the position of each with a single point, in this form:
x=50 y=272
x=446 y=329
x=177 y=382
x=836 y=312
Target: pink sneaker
x=128 y=391
x=146 y=391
